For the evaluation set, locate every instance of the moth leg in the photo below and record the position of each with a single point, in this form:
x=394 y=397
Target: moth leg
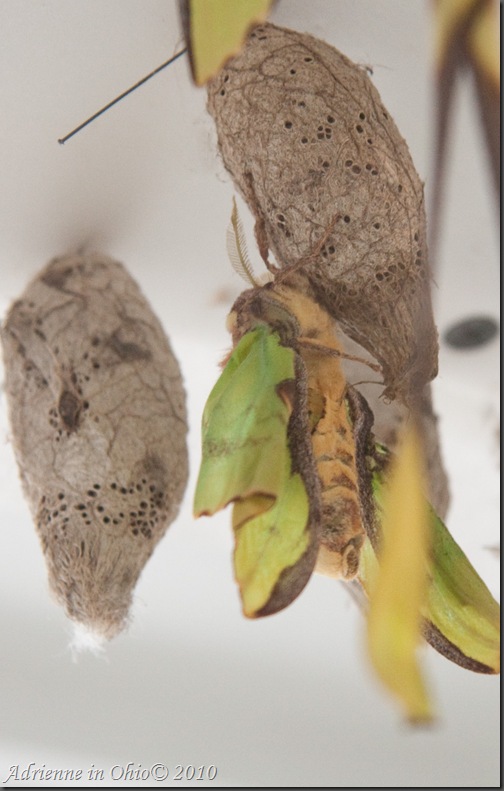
x=261 y=236
x=260 y=231
x=316 y=346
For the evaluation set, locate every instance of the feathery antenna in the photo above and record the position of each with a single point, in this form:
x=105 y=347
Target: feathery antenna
x=237 y=248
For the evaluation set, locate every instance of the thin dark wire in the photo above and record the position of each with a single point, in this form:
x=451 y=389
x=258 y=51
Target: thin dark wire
x=62 y=140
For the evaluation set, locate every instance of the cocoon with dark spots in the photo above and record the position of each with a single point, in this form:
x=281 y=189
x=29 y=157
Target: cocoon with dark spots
x=305 y=136
x=98 y=418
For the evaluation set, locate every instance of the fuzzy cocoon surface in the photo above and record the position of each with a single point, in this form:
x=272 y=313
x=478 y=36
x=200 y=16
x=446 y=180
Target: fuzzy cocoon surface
x=98 y=418
x=324 y=169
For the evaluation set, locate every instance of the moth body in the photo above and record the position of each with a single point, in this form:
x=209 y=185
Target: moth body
x=304 y=326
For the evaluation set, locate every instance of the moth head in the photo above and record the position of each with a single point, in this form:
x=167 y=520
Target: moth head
x=258 y=306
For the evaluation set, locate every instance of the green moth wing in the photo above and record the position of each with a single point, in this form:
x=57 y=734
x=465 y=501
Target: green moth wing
x=270 y=549
x=244 y=426
x=247 y=461
x=461 y=618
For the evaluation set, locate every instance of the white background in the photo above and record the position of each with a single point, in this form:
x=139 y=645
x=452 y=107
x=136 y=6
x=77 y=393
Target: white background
x=289 y=700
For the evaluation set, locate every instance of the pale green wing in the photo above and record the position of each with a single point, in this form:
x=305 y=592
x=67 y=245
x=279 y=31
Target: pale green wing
x=463 y=612
x=244 y=427
x=247 y=460
x=272 y=558
x=462 y=619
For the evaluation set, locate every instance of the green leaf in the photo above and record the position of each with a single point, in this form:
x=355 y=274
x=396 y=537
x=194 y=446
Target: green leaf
x=246 y=460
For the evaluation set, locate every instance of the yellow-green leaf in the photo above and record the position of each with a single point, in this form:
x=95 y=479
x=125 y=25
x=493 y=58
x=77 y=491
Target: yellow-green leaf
x=451 y=20
x=398 y=594
x=466 y=40
x=484 y=42
x=217 y=30
x=471 y=25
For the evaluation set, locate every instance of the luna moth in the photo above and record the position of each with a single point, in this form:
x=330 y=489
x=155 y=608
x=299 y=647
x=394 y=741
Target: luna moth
x=289 y=443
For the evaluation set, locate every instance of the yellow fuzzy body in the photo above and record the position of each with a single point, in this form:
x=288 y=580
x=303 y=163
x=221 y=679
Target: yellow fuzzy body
x=333 y=442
